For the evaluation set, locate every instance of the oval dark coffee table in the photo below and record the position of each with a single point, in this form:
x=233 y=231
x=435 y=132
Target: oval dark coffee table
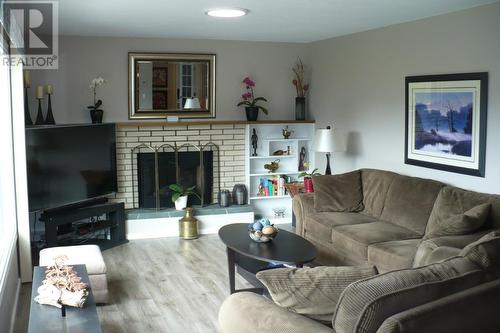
x=251 y=257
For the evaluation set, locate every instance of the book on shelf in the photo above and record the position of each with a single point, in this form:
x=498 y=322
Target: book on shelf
x=273 y=186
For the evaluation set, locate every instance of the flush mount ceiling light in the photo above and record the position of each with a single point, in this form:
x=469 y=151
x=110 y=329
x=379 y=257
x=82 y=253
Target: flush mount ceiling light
x=227 y=12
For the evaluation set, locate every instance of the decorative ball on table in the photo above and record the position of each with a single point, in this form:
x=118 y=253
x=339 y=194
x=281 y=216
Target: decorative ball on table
x=262 y=231
x=264 y=222
x=257 y=226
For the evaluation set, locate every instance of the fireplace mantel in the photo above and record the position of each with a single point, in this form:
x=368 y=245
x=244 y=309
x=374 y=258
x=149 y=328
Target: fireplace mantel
x=211 y=122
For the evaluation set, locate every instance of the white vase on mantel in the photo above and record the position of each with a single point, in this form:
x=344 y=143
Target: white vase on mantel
x=181 y=202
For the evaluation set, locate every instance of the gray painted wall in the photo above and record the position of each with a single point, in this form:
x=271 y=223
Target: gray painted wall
x=358 y=84
x=357 y=81
x=83 y=58
x=9 y=293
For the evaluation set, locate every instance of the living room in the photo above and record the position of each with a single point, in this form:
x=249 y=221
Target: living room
x=396 y=98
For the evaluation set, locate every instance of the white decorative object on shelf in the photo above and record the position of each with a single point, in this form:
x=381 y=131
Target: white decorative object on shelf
x=266 y=190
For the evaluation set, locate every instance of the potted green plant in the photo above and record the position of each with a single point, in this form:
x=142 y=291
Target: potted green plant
x=308 y=184
x=250 y=101
x=180 y=195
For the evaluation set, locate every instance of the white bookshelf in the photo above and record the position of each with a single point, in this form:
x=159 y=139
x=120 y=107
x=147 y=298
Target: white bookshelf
x=270 y=139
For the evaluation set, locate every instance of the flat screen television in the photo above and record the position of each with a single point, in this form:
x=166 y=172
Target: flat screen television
x=70 y=164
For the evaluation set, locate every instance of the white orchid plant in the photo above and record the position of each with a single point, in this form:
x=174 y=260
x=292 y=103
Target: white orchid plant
x=94 y=84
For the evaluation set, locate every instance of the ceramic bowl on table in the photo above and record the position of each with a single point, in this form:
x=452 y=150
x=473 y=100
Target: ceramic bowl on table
x=262 y=231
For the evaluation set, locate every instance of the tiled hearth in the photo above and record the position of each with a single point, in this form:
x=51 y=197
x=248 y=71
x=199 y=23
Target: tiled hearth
x=229 y=137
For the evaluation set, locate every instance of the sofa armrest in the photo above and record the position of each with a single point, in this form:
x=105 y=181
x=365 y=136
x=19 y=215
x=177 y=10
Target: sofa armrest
x=302 y=205
x=246 y=312
x=427 y=247
x=471 y=310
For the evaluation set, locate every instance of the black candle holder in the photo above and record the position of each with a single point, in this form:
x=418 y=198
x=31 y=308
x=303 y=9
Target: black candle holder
x=27 y=116
x=49 y=119
x=39 y=116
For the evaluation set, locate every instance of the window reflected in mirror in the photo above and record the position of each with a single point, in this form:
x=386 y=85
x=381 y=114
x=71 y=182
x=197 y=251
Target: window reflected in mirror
x=172 y=84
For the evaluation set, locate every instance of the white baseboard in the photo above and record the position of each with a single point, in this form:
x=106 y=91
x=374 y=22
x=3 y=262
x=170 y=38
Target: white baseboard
x=169 y=226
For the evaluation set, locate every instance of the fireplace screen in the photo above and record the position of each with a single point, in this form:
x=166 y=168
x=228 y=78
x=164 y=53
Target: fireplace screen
x=190 y=174
x=187 y=165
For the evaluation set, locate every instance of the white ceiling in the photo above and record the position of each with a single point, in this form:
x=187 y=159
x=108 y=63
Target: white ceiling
x=268 y=20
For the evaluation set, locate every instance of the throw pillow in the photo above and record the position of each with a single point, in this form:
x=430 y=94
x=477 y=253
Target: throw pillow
x=312 y=292
x=338 y=193
x=457 y=212
x=365 y=304
x=460 y=224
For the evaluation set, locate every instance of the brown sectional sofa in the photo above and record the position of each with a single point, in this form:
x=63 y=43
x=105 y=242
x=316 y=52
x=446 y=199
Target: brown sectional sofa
x=460 y=294
x=392 y=225
x=426 y=283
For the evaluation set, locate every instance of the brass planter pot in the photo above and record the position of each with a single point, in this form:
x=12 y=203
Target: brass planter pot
x=188 y=225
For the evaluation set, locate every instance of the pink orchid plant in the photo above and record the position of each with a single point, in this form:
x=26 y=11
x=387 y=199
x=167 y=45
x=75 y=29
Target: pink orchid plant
x=248 y=96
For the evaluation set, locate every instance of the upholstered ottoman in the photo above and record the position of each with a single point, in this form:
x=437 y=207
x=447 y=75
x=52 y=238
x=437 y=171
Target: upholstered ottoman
x=88 y=255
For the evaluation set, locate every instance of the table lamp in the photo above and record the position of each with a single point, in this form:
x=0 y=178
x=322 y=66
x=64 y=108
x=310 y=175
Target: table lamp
x=324 y=142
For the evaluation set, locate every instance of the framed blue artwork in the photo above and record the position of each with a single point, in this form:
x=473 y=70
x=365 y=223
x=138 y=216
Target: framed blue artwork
x=446 y=122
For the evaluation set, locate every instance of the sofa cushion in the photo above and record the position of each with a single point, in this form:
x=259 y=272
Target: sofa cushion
x=393 y=255
x=424 y=250
x=247 y=312
x=355 y=239
x=485 y=252
x=312 y=292
x=338 y=193
x=376 y=183
x=409 y=202
x=442 y=253
x=429 y=252
x=427 y=247
x=457 y=212
x=365 y=304
x=319 y=225
x=459 y=224
x=464 y=200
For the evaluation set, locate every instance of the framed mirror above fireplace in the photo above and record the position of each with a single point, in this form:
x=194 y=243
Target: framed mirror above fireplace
x=171 y=84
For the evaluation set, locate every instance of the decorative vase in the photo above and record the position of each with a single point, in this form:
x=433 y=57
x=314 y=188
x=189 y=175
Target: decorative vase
x=181 y=202
x=308 y=185
x=252 y=113
x=96 y=116
x=188 y=225
x=224 y=198
x=39 y=114
x=49 y=120
x=27 y=116
x=240 y=194
x=300 y=108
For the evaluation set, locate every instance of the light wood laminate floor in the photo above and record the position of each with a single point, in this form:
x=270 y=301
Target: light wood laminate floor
x=160 y=285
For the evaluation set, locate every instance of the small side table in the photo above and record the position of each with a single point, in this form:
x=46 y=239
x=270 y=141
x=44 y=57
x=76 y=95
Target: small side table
x=294 y=189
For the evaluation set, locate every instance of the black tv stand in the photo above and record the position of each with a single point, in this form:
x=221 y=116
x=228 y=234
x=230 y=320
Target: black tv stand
x=81 y=204
x=64 y=219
